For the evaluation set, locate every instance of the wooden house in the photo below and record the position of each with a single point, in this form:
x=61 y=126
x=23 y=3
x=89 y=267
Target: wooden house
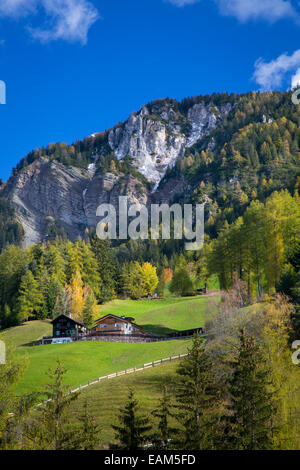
x=66 y=327
x=114 y=325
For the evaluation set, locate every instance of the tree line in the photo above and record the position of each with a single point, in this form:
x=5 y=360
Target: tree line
x=50 y=279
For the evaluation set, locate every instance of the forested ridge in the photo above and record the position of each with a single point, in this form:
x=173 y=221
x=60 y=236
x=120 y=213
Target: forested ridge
x=247 y=173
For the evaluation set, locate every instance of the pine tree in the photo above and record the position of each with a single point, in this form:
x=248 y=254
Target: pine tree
x=251 y=405
x=62 y=303
x=89 y=310
x=164 y=434
x=134 y=429
x=87 y=436
x=196 y=397
x=30 y=298
x=106 y=267
x=52 y=428
x=90 y=273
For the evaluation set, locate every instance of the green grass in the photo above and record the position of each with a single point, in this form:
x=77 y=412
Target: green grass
x=26 y=333
x=106 y=398
x=164 y=315
x=89 y=360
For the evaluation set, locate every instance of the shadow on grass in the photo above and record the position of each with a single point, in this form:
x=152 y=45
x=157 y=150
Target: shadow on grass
x=158 y=329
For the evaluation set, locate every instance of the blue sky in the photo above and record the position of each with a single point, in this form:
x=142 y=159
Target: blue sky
x=74 y=67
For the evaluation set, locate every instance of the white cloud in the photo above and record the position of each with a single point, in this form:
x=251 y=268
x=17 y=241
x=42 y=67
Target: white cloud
x=270 y=75
x=245 y=10
x=296 y=79
x=69 y=20
x=17 y=8
x=269 y=10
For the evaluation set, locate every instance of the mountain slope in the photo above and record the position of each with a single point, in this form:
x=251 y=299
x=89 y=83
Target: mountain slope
x=220 y=149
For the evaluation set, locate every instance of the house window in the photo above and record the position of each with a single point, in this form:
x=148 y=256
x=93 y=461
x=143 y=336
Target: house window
x=57 y=332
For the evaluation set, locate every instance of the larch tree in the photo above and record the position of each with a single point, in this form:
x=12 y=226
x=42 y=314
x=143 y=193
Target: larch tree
x=30 y=297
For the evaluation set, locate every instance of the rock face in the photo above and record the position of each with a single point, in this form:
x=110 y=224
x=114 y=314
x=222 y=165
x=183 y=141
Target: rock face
x=154 y=139
x=150 y=142
x=48 y=190
x=204 y=119
x=156 y=142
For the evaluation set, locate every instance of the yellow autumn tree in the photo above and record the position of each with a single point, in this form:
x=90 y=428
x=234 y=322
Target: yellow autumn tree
x=76 y=295
x=284 y=375
x=150 y=279
x=168 y=275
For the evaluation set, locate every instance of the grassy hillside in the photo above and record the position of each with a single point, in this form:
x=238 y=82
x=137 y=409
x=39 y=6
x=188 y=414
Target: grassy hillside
x=163 y=315
x=26 y=333
x=88 y=360
x=105 y=399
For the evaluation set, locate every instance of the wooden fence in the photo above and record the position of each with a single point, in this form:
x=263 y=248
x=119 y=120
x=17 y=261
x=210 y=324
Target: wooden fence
x=129 y=371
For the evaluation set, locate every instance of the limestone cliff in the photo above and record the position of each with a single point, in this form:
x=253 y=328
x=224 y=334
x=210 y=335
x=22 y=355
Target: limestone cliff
x=47 y=191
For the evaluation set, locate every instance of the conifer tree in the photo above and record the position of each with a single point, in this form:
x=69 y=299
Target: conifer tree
x=30 y=298
x=196 y=397
x=133 y=431
x=251 y=403
x=106 y=267
x=88 y=435
x=89 y=310
x=53 y=429
x=164 y=432
x=62 y=304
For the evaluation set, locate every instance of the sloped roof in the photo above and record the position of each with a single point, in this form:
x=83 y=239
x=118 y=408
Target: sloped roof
x=126 y=319
x=69 y=318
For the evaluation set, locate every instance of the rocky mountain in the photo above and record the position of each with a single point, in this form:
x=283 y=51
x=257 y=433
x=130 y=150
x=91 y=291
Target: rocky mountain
x=149 y=158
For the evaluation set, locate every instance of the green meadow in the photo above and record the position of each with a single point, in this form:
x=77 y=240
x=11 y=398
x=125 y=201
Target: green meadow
x=86 y=361
x=89 y=360
x=164 y=315
x=106 y=398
